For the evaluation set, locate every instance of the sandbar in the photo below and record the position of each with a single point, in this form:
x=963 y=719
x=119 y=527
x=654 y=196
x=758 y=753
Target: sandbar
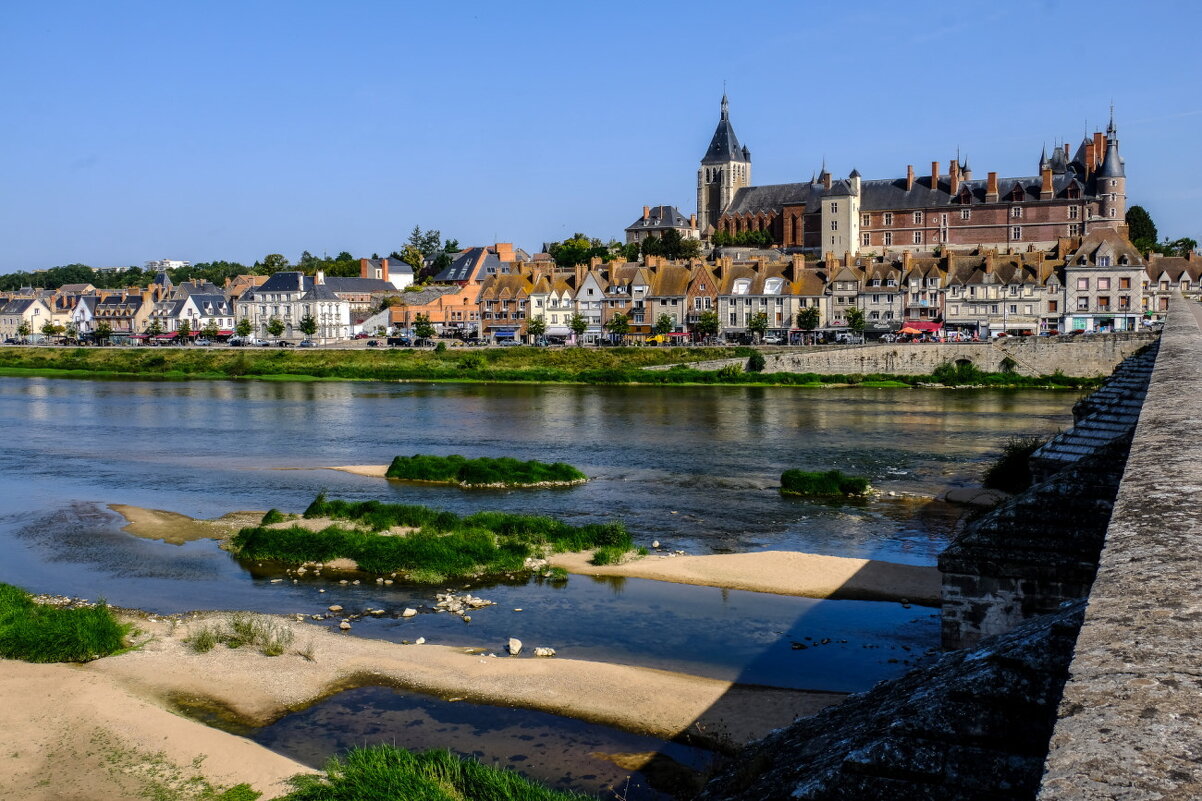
x=780 y=572
x=175 y=528
x=72 y=732
x=369 y=470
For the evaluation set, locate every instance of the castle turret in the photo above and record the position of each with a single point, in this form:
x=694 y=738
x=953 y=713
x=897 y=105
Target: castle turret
x=1112 y=178
x=725 y=168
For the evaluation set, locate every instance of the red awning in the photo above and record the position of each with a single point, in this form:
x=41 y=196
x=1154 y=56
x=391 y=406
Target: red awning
x=922 y=325
x=678 y=334
x=225 y=333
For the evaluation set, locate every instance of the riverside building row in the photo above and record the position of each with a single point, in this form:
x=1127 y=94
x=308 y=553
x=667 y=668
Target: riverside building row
x=1096 y=283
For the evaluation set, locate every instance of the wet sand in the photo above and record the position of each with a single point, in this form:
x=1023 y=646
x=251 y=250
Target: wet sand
x=72 y=732
x=780 y=572
x=176 y=529
x=256 y=690
x=369 y=470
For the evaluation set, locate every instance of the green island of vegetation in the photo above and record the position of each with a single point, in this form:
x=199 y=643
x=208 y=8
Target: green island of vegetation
x=816 y=483
x=495 y=365
x=35 y=632
x=437 y=545
x=483 y=472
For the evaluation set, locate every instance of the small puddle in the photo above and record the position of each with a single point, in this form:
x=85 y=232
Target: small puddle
x=561 y=752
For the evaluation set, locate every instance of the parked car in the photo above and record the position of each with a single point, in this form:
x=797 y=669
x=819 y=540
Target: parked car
x=202 y=342
x=400 y=342
x=508 y=343
x=772 y=339
x=848 y=338
x=308 y=343
x=372 y=343
x=283 y=343
x=361 y=336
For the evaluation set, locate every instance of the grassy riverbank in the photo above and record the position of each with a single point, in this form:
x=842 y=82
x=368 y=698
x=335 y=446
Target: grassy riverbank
x=483 y=472
x=35 y=632
x=511 y=365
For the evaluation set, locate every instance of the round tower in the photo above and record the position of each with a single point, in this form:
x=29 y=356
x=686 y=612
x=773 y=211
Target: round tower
x=1112 y=178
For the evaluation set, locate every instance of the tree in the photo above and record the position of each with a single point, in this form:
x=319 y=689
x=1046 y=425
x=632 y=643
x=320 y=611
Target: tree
x=578 y=324
x=536 y=326
x=72 y=331
x=664 y=324
x=422 y=327
x=578 y=249
x=1140 y=228
x=243 y=328
x=308 y=325
x=707 y=324
x=758 y=325
x=210 y=330
x=275 y=327
x=155 y=328
x=184 y=332
x=674 y=246
x=274 y=263
x=49 y=329
x=103 y=331
x=652 y=246
x=808 y=319
x=618 y=326
x=855 y=320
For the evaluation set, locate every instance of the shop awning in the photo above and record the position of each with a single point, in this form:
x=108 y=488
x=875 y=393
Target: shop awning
x=921 y=326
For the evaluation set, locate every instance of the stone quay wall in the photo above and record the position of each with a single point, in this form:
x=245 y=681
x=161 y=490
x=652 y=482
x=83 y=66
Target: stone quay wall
x=1084 y=356
x=1128 y=724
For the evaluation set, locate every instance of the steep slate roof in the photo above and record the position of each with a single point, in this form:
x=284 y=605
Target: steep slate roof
x=394 y=266
x=18 y=306
x=661 y=217
x=352 y=284
x=426 y=295
x=472 y=264
x=1104 y=241
x=215 y=301
x=322 y=292
x=724 y=146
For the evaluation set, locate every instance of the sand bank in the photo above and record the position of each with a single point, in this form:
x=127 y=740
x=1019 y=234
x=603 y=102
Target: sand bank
x=156 y=524
x=369 y=470
x=781 y=572
x=72 y=732
x=256 y=689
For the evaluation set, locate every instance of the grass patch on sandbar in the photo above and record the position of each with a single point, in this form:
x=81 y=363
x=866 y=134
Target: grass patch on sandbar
x=822 y=484
x=483 y=471
x=440 y=545
x=34 y=632
x=384 y=771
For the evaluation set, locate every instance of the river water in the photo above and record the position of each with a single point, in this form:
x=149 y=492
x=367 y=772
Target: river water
x=694 y=467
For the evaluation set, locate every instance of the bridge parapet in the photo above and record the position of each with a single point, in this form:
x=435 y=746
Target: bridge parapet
x=1130 y=721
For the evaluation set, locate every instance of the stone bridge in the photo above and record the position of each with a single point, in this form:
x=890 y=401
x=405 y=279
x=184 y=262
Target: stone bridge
x=1083 y=355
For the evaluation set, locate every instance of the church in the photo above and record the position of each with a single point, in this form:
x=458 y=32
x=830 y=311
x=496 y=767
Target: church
x=1071 y=194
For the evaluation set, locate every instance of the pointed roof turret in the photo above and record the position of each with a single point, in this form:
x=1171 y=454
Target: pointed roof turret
x=1043 y=159
x=746 y=154
x=854 y=173
x=964 y=165
x=724 y=146
x=1112 y=166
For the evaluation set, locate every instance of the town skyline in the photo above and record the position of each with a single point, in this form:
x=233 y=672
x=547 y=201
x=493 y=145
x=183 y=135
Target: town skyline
x=248 y=152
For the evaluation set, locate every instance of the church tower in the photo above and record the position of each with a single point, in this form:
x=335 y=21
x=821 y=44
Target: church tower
x=724 y=169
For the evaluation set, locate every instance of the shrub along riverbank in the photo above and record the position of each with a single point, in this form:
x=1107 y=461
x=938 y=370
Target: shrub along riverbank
x=35 y=632
x=441 y=544
x=483 y=472
x=521 y=364
x=830 y=483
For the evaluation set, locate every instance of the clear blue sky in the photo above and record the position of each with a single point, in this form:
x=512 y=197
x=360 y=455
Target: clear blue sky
x=229 y=130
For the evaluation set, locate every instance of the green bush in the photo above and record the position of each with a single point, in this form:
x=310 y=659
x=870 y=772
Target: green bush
x=270 y=637
x=952 y=375
x=609 y=555
x=755 y=362
x=272 y=516
x=388 y=772
x=36 y=632
x=1012 y=470
x=443 y=545
x=832 y=482
x=456 y=469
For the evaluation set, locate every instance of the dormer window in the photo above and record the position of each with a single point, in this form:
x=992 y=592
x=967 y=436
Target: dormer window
x=741 y=287
x=773 y=286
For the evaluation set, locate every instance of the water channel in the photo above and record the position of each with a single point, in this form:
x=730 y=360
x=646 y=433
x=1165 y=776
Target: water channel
x=694 y=467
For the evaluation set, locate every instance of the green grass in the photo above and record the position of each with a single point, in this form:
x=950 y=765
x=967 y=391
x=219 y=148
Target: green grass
x=1012 y=470
x=34 y=632
x=272 y=516
x=483 y=471
x=386 y=772
x=270 y=637
x=444 y=544
x=830 y=483
x=609 y=555
x=508 y=365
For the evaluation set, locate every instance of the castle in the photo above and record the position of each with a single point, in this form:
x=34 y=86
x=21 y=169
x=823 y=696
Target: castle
x=1071 y=195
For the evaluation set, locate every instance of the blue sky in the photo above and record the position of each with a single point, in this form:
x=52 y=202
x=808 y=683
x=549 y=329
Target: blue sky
x=229 y=130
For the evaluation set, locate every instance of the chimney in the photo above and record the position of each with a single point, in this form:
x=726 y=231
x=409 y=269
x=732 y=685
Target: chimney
x=909 y=177
x=954 y=177
x=1089 y=159
x=646 y=212
x=319 y=277
x=1045 y=189
x=1067 y=154
x=594 y=262
x=991 y=193
x=580 y=269
x=934 y=175
x=693 y=221
x=826 y=179
x=990 y=261
x=383 y=269
x=907 y=262
x=1099 y=148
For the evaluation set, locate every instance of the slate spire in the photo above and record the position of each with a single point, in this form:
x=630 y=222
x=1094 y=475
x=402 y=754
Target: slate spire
x=724 y=147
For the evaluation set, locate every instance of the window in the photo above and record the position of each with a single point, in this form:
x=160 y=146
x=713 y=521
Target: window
x=993 y=308
x=965 y=214
x=888 y=237
x=1016 y=232
x=874 y=315
x=1074 y=229
x=1125 y=302
x=773 y=286
x=955 y=311
x=1164 y=285
x=1103 y=303
x=1074 y=212
x=865 y=239
x=1082 y=283
x=742 y=286
x=834 y=208
x=1053 y=306
x=1103 y=283
x=1103 y=261
x=1082 y=304
x=890 y=282
x=1013 y=308
x=734 y=318
x=865 y=220
x=918 y=237
x=834 y=225
x=888 y=219
x=918 y=218
x=1016 y=212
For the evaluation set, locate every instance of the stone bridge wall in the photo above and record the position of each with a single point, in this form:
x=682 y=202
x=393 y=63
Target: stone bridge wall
x=1129 y=719
x=1083 y=356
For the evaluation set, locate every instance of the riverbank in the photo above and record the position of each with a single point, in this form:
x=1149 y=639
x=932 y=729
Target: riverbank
x=381 y=471
x=806 y=575
x=493 y=365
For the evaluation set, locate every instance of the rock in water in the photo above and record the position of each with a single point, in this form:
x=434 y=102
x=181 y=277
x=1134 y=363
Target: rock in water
x=655 y=544
x=409 y=612
x=515 y=646
x=335 y=608
x=345 y=626
x=544 y=652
